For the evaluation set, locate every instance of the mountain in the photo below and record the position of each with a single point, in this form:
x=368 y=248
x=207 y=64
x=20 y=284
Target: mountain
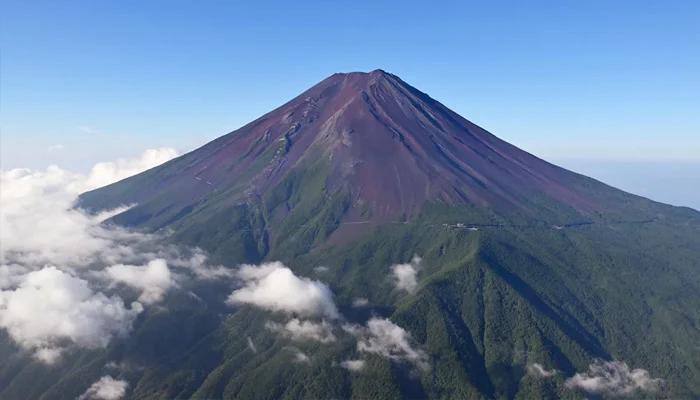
x=355 y=151
x=523 y=262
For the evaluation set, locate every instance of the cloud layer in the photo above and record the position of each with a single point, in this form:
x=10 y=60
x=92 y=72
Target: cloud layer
x=51 y=306
x=38 y=224
x=50 y=298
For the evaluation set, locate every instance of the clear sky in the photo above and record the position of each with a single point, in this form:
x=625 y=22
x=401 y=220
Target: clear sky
x=85 y=81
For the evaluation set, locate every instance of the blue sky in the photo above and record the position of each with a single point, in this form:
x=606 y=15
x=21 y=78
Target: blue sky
x=570 y=81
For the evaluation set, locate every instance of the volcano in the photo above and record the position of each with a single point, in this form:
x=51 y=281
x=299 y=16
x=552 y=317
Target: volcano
x=528 y=273
x=354 y=152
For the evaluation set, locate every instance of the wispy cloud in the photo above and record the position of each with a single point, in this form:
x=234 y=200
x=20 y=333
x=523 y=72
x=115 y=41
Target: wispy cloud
x=360 y=302
x=539 y=371
x=383 y=337
x=300 y=330
x=251 y=345
x=88 y=130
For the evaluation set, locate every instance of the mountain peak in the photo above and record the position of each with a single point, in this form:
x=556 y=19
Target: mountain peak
x=373 y=73
x=358 y=80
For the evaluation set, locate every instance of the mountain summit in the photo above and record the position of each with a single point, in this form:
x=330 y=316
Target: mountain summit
x=514 y=277
x=392 y=147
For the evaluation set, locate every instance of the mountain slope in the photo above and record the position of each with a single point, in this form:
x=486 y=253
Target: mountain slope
x=523 y=262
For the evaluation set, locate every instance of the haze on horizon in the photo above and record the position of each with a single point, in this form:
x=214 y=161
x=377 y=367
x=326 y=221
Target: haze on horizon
x=607 y=90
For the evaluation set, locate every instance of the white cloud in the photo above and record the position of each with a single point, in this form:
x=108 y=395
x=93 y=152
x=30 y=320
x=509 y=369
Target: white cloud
x=50 y=307
x=274 y=287
x=38 y=224
x=300 y=357
x=537 y=370
x=197 y=264
x=405 y=275
x=614 y=379
x=320 y=269
x=360 y=302
x=383 y=337
x=105 y=173
x=153 y=279
x=48 y=355
x=48 y=250
x=304 y=330
x=353 y=365
x=107 y=388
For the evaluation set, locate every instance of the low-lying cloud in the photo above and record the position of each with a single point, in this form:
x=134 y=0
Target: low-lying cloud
x=613 y=379
x=50 y=307
x=153 y=279
x=299 y=356
x=301 y=330
x=405 y=275
x=360 y=302
x=275 y=287
x=53 y=259
x=39 y=224
x=353 y=365
x=63 y=273
x=383 y=337
x=106 y=388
